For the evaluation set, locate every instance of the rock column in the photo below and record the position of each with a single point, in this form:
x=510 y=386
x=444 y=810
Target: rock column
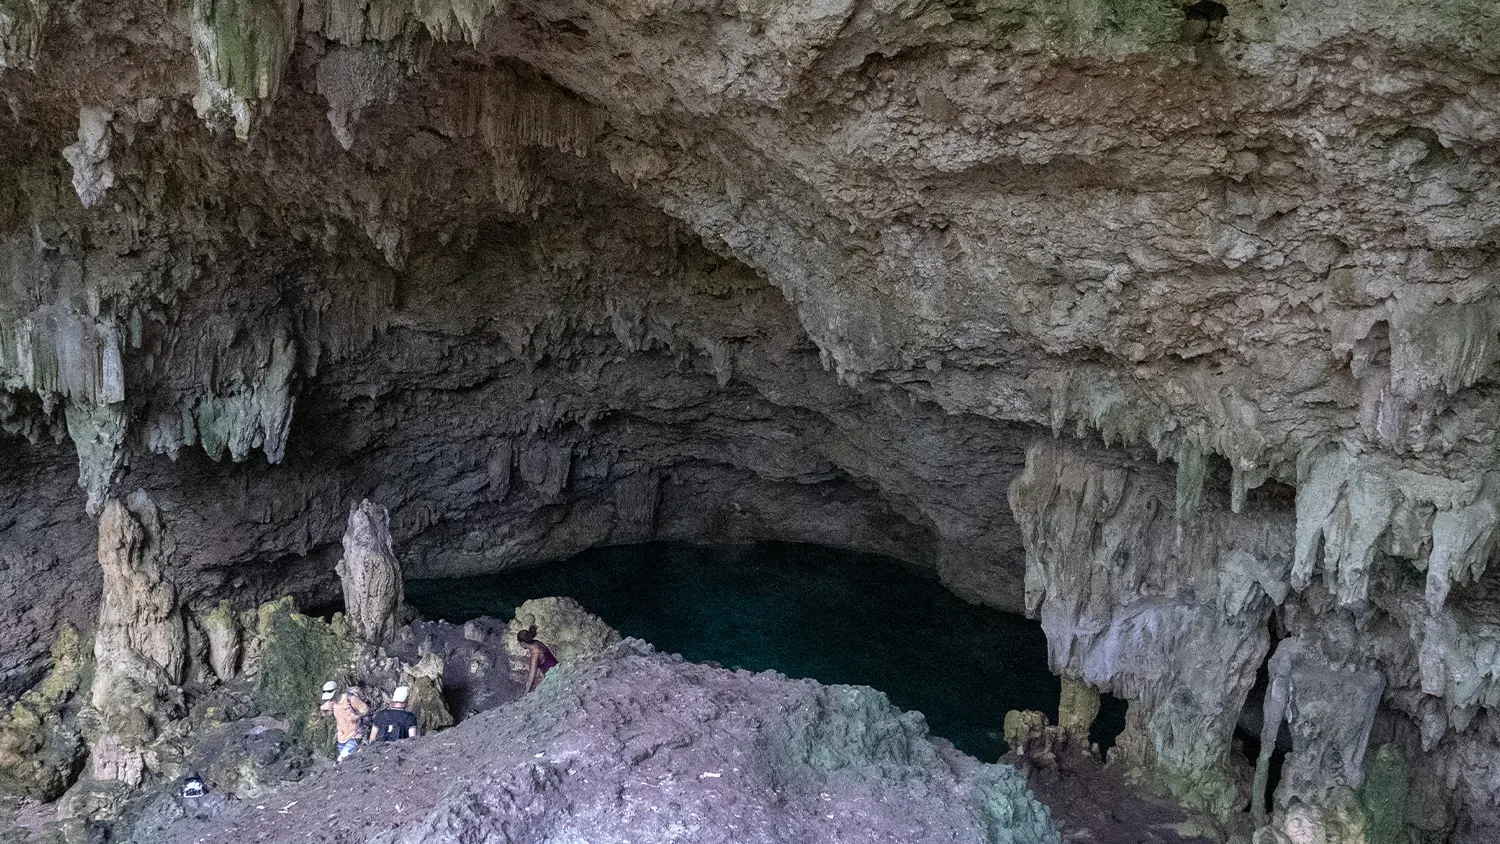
x=1165 y=611
x=141 y=643
x=371 y=575
x=1330 y=713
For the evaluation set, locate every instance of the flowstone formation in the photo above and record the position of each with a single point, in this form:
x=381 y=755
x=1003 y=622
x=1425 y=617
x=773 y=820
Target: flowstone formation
x=539 y=277
x=1180 y=610
x=1169 y=614
x=165 y=693
x=140 y=643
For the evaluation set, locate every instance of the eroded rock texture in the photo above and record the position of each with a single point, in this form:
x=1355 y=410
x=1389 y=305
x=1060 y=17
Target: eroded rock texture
x=140 y=647
x=370 y=574
x=1180 y=612
x=639 y=746
x=543 y=276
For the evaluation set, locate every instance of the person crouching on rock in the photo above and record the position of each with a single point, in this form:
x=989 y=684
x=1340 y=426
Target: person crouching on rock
x=394 y=722
x=542 y=659
x=348 y=710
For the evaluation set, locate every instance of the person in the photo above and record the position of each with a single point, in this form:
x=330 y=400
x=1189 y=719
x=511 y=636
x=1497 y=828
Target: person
x=542 y=659
x=395 y=722
x=349 y=709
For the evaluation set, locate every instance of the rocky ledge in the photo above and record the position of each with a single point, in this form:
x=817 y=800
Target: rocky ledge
x=636 y=745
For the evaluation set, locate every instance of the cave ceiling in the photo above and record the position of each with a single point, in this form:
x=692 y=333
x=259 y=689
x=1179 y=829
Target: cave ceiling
x=616 y=259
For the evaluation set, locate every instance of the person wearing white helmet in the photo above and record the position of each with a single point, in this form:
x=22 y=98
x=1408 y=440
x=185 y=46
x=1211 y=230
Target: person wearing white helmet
x=395 y=722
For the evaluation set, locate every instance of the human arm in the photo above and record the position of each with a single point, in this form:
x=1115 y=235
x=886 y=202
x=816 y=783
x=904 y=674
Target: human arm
x=531 y=675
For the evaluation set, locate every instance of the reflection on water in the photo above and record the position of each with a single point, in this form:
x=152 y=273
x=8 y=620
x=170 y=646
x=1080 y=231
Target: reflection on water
x=806 y=611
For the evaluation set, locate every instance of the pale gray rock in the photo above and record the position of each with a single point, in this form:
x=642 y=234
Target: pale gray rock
x=93 y=175
x=634 y=745
x=371 y=575
x=1330 y=712
x=1170 y=614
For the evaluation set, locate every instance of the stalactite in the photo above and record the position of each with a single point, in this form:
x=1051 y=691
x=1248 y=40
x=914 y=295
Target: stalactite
x=93 y=174
x=635 y=497
x=1192 y=468
x=21 y=23
x=243 y=45
x=546 y=466
x=1141 y=604
x=352 y=80
x=1350 y=505
x=508 y=113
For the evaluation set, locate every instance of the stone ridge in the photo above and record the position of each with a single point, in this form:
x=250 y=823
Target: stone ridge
x=642 y=746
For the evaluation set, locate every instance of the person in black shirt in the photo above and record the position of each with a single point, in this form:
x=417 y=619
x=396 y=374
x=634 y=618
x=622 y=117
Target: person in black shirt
x=394 y=722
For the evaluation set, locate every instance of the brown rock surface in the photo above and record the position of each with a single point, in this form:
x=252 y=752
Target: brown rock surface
x=140 y=642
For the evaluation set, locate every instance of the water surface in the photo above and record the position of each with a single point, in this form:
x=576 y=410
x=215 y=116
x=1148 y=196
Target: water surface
x=806 y=611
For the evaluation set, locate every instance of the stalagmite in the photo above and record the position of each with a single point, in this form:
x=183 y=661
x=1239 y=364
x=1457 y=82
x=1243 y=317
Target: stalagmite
x=1077 y=708
x=221 y=628
x=370 y=574
x=140 y=646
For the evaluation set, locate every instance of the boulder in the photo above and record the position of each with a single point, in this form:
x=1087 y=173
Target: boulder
x=568 y=630
x=41 y=749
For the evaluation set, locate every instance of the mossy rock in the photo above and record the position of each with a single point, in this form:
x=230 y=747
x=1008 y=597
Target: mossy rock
x=568 y=630
x=41 y=751
x=1384 y=794
x=297 y=655
x=425 y=679
x=72 y=667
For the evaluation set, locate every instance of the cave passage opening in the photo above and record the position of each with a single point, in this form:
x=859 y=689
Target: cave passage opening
x=807 y=611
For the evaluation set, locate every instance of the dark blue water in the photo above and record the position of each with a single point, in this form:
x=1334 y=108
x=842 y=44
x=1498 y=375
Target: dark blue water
x=806 y=611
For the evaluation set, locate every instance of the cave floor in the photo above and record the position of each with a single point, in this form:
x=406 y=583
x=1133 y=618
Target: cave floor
x=1091 y=802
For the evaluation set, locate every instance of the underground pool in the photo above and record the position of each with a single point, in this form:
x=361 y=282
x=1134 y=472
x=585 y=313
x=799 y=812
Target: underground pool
x=805 y=611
